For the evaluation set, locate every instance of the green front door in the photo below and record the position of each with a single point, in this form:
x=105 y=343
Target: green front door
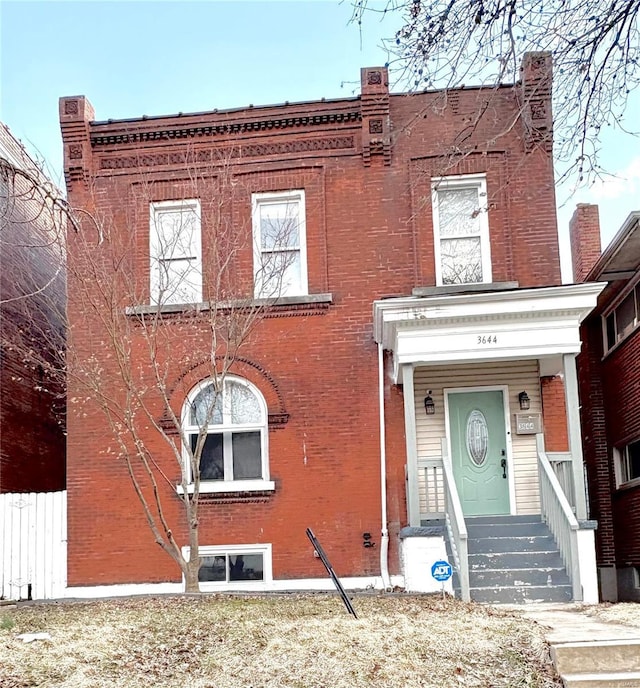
x=479 y=451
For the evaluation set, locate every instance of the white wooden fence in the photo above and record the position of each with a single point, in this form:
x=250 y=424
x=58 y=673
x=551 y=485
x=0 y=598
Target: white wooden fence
x=33 y=545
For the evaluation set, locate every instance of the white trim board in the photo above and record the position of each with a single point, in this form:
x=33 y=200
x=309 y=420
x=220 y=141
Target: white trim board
x=292 y=585
x=501 y=325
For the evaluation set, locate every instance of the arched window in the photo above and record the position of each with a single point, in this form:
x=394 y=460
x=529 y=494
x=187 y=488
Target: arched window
x=232 y=422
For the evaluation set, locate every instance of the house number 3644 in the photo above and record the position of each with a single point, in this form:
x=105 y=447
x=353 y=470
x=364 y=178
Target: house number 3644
x=487 y=339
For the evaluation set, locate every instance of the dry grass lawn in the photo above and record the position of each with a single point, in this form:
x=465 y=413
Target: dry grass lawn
x=626 y=613
x=289 y=641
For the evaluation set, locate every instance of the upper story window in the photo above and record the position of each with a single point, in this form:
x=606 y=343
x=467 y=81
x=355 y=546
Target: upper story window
x=229 y=420
x=175 y=252
x=280 y=246
x=461 y=230
x=622 y=319
x=628 y=463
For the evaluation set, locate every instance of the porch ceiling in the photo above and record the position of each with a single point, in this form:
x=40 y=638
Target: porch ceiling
x=514 y=324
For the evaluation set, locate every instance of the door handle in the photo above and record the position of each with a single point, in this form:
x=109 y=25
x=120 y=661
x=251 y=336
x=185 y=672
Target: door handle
x=503 y=463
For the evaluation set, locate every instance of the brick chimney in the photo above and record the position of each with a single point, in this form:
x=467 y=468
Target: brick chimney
x=584 y=233
x=536 y=76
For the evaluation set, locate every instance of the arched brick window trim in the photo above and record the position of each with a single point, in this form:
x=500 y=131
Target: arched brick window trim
x=241 y=367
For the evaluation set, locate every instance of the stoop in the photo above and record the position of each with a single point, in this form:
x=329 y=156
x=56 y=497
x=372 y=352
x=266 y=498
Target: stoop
x=598 y=663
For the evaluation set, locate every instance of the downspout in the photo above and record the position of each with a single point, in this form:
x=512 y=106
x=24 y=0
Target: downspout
x=384 y=540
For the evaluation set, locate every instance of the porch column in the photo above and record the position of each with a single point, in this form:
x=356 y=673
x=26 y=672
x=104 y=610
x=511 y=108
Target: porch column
x=572 y=404
x=413 y=494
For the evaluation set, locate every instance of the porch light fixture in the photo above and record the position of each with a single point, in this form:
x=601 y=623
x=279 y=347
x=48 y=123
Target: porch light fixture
x=524 y=401
x=429 y=405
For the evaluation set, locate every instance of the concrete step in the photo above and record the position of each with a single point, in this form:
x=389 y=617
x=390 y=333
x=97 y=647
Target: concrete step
x=515 y=560
x=597 y=656
x=483 y=530
x=519 y=594
x=531 y=518
x=618 y=679
x=535 y=543
x=535 y=577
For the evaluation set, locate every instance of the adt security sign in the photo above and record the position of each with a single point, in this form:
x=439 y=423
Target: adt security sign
x=441 y=571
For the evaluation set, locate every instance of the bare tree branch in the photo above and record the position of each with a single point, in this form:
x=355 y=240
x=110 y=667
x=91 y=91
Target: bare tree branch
x=595 y=48
x=119 y=344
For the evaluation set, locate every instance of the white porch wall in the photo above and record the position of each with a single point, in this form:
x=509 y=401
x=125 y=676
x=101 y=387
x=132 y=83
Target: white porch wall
x=518 y=376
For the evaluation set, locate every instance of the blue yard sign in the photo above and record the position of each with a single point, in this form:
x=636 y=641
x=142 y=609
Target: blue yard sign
x=441 y=571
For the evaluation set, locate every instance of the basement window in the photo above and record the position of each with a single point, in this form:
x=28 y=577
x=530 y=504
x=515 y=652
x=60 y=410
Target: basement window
x=234 y=566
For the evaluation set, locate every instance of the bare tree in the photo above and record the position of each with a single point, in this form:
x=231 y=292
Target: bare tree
x=595 y=48
x=133 y=320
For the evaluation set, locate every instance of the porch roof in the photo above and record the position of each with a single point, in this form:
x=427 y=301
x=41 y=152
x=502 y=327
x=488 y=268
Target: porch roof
x=482 y=326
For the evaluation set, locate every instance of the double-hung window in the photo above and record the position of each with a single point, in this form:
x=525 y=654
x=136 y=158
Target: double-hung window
x=175 y=252
x=279 y=241
x=225 y=424
x=622 y=319
x=461 y=230
x=628 y=463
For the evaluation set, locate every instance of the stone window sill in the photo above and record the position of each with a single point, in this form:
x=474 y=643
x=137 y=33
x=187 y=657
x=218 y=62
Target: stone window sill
x=231 y=487
x=306 y=303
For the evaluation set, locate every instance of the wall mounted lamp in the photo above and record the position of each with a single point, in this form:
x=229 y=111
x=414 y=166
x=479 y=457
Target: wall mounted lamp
x=524 y=401
x=429 y=405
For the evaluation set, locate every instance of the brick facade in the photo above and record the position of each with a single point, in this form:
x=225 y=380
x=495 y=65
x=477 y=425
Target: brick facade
x=32 y=442
x=610 y=415
x=366 y=166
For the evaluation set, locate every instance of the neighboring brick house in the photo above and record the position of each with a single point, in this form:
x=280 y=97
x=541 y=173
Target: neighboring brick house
x=609 y=372
x=32 y=293
x=421 y=317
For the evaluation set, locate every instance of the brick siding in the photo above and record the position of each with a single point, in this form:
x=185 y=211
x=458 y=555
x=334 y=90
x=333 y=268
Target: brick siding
x=369 y=234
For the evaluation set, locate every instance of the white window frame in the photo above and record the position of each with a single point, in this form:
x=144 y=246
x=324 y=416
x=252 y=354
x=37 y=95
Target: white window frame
x=226 y=428
x=463 y=181
x=155 y=210
x=259 y=200
x=230 y=550
x=622 y=468
x=632 y=288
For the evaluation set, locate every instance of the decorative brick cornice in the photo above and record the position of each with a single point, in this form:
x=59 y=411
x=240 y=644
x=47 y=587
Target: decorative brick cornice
x=374 y=105
x=170 y=133
x=253 y=150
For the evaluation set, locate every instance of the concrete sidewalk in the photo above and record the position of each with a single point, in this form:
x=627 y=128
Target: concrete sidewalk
x=570 y=623
x=589 y=652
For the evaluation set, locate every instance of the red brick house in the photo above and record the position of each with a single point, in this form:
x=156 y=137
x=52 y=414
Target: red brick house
x=32 y=296
x=609 y=385
x=402 y=395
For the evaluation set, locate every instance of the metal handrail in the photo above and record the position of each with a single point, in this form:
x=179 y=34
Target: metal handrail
x=560 y=518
